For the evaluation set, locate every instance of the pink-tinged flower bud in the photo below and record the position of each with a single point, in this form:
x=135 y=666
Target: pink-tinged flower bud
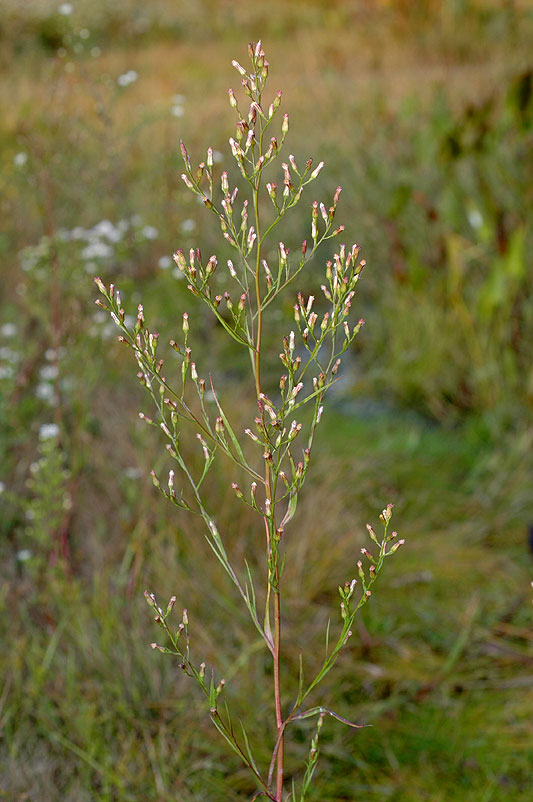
x=338 y=230
x=368 y=593
x=335 y=367
x=100 y=284
x=396 y=546
x=194 y=374
x=224 y=183
x=253 y=490
x=252 y=236
x=155 y=480
x=285 y=124
x=267 y=507
x=232 y=99
x=251 y=435
x=165 y=428
x=185 y=322
x=293 y=163
x=324 y=323
x=324 y=213
x=238 y=67
x=313 y=317
x=238 y=491
x=219 y=425
x=337 y=195
x=171 y=480
x=317 y=170
x=319 y=414
x=272 y=191
x=184 y=154
x=210 y=157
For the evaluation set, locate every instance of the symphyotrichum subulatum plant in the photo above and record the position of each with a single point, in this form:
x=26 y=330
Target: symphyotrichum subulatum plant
x=275 y=452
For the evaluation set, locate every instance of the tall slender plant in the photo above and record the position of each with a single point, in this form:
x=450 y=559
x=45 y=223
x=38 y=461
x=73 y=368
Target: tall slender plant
x=278 y=467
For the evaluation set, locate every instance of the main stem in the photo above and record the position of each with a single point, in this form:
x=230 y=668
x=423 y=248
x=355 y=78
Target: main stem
x=268 y=488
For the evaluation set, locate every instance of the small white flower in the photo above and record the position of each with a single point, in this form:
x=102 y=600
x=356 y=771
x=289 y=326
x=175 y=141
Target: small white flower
x=78 y=233
x=8 y=354
x=48 y=431
x=24 y=554
x=217 y=156
x=127 y=78
x=85 y=33
x=475 y=218
x=132 y=473
x=45 y=392
x=95 y=52
x=178 y=274
x=178 y=99
x=188 y=225
x=8 y=330
x=97 y=250
x=6 y=372
x=165 y=262
x=48 y=372
x=105 y=228
x=20 y=159
x=177 y=111
x=65 y=9
x=150 y=232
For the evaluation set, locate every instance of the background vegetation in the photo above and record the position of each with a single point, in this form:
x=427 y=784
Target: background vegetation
x=424 y=113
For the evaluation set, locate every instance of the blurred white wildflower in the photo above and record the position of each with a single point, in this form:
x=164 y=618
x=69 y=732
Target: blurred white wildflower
x=70 y=66
x=218 y=156
x=177 y=111
x=61 y=52
x=20 y=159
x=105 y=228
x=49 y=372
x=132 y=473
x=150 y=232
x=8 y=330
x=78 y=233
x=475 y=218
x=8 y=355
x=165 y=262
x=85 y=33
x=24 y=554
x=188 y=225
x=178 y=274
x=6 y=372
x=97 y=250
x=95 y=52
x=2 y=487
x=45 y=392
x=48 y=430
x=51 y=354
x=65 y=9
x=127 y=78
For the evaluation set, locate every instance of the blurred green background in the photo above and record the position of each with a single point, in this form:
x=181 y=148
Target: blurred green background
x=423 y=112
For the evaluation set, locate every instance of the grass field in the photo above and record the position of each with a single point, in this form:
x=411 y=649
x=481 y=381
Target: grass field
x=424 y=114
